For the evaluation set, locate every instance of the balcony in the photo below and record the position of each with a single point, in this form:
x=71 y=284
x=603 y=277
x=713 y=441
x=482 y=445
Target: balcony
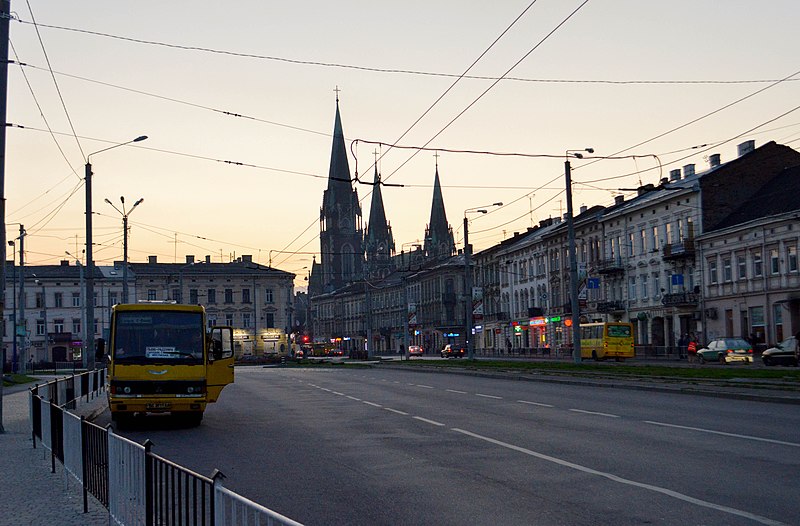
x=678 y=251
x=681 y=299
x=496 y=316
x=610 y=266
x=610 y=306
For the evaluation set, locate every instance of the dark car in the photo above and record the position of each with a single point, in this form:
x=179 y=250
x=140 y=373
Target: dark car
x=726 y=350
x=785 y=353
x=450 y=350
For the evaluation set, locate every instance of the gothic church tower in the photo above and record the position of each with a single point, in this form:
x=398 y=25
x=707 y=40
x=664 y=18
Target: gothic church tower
x=439 y=243
x=379 y=242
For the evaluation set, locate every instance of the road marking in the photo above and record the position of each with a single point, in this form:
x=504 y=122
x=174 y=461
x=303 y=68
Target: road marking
x=489 y=396
x=428 y=421
x=594 y=413
x=615 y=478
x=373 y=404
x=325 y=389
x=396 y=411
x=534 y=403
x=425 y=386
x=337 y=393
x=353 y=398
x=454 y=391
x=723 y=433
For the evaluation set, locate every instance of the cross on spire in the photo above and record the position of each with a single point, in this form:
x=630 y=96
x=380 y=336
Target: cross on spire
x=436 y=154
x=337 y=90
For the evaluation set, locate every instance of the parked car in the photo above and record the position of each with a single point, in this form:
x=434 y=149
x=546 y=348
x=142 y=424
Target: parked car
x=415 y=350
x=449 y=350
x=785 y=353
x=726 y=350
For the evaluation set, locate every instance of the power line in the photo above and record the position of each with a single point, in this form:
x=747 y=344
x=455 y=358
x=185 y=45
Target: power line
x=396 y=70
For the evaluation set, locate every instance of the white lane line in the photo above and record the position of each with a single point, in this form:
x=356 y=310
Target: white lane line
x=396 y=411
x=337 y=393
x=395 y=382
x=594 y=413
x=434 y=422
x=534 y=403
x=454 y=391
x=353 y=398
x=489 y=396
x=723 y=433
x=615 y=478
x=373 y=404
x=325 y=389
x=425 y=386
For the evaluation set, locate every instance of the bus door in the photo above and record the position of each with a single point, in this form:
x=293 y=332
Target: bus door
x=220 y=361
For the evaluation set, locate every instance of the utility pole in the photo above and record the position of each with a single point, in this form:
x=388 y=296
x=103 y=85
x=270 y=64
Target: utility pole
x=19 y=360
x=5 y=15
x=467 y=293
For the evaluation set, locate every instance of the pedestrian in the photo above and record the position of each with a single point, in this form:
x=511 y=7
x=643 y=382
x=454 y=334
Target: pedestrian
x=683 y=344
x=508 y=345
x=691 y=349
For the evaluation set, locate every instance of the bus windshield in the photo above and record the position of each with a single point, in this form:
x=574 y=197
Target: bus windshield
x=158 y=337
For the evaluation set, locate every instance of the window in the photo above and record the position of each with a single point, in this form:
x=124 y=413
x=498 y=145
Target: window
x=668 y=235
x=212 y=296
x=268 y=298
x=151 y=294
x=656 y=284
x=757 y=265
x=40 y=328
x=774 y=262
x=741 y=262
x=59 y=299
x=76 y=325
x=791 y=256
x=712 y=271
x=727 y=271
x=229 y=319
x=211 y=320
x=112 y=298
x=193 y=296
x=58 y=326
x=269 y=320
x=632 y=287
x=642 y=241
x=630 y=244
x=246 y=320
x=654 y=239
x=643 y=283
x=176 y=295
x=229 y=296
x=39 y=300
x=245 y=295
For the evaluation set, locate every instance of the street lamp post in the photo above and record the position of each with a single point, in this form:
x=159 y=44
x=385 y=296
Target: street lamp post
x=468 y=322
x=573 y=259
x=14 y=309
x=125 y=213
x=89 y=260
x=19 y=330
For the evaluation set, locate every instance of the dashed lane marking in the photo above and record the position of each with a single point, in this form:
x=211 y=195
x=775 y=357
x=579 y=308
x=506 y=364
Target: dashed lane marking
x=354 y=398
x=455 y=391
x=425 y=386
x=396 y=411
x=433 y=422
x=373 y=404
x=534 y=403
x=489 y=396
x=594 y=413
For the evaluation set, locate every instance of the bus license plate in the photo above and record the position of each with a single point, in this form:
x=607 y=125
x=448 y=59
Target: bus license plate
x=159 y=405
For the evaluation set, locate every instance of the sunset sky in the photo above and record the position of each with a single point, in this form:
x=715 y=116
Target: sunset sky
x=238 y=102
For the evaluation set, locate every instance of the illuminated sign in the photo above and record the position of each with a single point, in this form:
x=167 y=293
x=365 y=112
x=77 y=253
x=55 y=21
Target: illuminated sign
x=538 y=321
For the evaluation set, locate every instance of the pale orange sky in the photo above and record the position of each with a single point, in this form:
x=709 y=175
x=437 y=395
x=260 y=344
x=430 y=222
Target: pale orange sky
x=115 y=89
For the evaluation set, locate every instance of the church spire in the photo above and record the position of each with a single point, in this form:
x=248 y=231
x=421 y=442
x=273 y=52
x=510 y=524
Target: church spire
x=438 y=234
x=379 y=241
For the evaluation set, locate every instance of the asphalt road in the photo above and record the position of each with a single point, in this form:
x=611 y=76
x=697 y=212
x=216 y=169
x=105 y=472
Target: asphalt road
x=377 y=446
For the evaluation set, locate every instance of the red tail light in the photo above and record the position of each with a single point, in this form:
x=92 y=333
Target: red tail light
x=730 y=351
x=750 y=351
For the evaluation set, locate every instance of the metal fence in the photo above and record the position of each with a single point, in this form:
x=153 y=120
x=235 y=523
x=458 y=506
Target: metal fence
x=138 y=487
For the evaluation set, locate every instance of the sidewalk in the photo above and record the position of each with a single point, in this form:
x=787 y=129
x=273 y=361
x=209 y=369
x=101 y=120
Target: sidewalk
x=30 y=494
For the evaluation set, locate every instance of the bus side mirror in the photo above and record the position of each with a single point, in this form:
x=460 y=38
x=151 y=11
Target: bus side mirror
x=216 y=349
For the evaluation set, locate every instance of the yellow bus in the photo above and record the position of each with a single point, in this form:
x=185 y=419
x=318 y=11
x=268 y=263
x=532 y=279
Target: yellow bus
x=607 y=340
x=161 y=358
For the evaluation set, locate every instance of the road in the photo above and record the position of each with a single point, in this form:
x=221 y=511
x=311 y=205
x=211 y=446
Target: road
x=382 y=446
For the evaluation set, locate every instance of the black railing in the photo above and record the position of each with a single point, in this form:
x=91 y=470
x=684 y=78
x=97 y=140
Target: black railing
x=95 y=463
x=610 y=266
x=176 y=495
x=682 y=250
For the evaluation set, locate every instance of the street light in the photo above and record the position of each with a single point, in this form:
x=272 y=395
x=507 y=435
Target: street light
x=89 y=261
x=125 y=213
x=468 y=280
x=573 y=257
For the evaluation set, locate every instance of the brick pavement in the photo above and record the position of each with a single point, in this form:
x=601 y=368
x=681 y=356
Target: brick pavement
x=29 y=493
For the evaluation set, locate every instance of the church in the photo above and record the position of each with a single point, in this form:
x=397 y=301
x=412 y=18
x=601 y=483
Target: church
x=361 y=289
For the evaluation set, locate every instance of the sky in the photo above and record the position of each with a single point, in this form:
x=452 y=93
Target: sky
x=238 y=102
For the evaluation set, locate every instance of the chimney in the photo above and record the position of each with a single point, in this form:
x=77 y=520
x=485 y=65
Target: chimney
x=189 y=259
x=619 y=199
x=714 y=160
x=688 y=170
x=584 y=208
x=664 y=181
x=247 y=258
x=746 y=147
x=152 y=260
x=675 y=175
x=64 y=262
x=208 y=259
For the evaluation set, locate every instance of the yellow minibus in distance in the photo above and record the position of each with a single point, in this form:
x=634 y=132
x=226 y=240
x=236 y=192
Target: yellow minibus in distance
x=607 y=340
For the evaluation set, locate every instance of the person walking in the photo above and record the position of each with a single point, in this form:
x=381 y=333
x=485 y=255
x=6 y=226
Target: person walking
x=683 y=344
x=691 y=349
